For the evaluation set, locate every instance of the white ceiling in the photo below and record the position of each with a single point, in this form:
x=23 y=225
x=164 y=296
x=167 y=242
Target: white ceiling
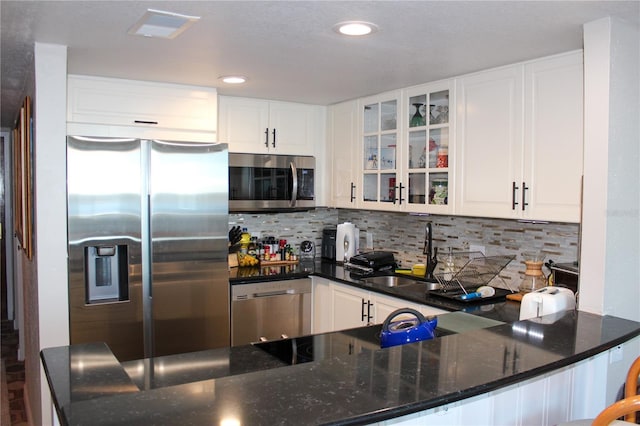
x=287 y=48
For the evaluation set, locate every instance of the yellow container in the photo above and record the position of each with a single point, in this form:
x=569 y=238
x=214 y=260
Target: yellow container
x=419 y=269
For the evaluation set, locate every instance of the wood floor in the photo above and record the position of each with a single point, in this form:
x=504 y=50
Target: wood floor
x=13 y=408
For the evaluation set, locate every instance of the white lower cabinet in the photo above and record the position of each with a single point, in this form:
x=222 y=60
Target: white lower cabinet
x=385 y=305
x=563 y=395
x=321 y=320
x=341 y=306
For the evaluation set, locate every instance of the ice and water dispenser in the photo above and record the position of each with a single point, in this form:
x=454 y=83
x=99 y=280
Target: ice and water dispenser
x=106 y=273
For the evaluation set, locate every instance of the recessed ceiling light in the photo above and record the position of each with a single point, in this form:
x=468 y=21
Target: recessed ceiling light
x=157 y=23
x=233 y=79
x=355 y=28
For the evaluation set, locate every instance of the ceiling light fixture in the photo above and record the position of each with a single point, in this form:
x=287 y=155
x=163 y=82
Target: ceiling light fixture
x=160 y=24
x=355 y=28
x=233 y=79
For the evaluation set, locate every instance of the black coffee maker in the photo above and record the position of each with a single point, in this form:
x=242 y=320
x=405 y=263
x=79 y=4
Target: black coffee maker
x=329 y=243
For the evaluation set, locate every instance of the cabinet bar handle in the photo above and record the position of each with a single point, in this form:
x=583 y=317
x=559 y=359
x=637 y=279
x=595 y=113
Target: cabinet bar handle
x=395 y=191
x=274 y=138
x=514 y=203
x=524 y=191
x=353 y=190
x=266 y=137
x=369 y=316
x=400 y=199
x=362 y=311
x=145 y=122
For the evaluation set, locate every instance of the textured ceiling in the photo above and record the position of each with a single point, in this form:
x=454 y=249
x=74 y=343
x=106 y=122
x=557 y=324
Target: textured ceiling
x=287 y=48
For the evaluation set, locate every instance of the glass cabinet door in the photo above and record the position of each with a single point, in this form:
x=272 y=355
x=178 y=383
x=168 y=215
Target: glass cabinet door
x=427 y=154
x=380 y=156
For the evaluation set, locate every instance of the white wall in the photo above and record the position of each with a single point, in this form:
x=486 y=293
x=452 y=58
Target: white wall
x=50 y=214
x=609 y=272
x=7 y=231
x=610 y=250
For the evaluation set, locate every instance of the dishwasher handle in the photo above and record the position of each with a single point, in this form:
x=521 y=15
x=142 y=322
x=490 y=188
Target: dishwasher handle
x=263 y=290
x=274 y=293
x=263 y=294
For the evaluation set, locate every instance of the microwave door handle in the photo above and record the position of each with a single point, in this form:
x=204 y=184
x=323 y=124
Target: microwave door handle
x=294 y=189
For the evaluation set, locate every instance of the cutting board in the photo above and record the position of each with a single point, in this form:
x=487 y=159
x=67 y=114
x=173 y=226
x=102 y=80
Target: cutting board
x=515 y=296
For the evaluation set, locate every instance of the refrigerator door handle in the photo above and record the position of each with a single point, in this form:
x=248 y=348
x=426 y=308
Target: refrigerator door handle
x=294 y=189
x=146 y=252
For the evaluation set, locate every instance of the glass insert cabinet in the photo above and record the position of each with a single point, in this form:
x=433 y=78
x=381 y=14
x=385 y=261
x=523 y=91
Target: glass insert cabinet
x=380 y=152
x=405 y=149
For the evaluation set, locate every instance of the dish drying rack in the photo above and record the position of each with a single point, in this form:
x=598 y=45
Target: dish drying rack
x=464 y=272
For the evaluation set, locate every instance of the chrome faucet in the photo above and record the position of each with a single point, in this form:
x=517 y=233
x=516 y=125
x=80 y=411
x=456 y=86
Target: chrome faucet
x=432 y=254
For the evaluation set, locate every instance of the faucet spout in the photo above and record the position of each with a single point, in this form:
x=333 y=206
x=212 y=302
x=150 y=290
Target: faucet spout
x=428 y=250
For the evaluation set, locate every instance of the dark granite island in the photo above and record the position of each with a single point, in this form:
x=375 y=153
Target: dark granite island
x=472 y=373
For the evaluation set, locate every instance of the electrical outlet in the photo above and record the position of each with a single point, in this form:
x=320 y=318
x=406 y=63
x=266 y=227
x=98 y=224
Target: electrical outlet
x=475 y=247
x=369 y=240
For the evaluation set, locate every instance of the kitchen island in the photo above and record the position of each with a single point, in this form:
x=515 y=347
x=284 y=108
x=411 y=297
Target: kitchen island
x=363 y=384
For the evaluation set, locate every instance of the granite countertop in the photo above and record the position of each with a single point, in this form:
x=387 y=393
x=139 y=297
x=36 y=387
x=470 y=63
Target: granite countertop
x=357 y=385
x=362 y=385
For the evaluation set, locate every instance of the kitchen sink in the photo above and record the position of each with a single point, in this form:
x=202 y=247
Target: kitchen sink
x=397 y=281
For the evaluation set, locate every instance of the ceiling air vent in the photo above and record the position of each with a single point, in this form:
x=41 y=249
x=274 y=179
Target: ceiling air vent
x=160 y=24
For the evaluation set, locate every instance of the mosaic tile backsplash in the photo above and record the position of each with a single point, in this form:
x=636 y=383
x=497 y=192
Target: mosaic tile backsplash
x=404 y=234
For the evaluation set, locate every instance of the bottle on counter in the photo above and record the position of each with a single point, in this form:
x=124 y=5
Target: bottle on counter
x=282 y=249
x=253 y=247
x=245 y=239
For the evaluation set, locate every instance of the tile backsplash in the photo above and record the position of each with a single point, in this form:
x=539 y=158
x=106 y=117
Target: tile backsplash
x=404 y=234
x=295 y=227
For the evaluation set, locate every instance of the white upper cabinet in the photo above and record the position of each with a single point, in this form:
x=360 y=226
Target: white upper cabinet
x=263 y=126
x=489 y=142
x=553 y=138
x=427 y=136
x=379 y=152
x=342 y=124
x=519 y=141
x=405 y=142
x=116 y=107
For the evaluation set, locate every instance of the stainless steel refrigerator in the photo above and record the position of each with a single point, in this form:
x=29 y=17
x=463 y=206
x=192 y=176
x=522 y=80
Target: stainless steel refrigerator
x=147 y=245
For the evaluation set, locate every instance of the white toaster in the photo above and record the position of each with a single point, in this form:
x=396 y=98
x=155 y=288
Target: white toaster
x=546 y=301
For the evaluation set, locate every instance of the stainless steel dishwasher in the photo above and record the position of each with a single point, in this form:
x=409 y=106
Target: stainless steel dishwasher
x=270 y=310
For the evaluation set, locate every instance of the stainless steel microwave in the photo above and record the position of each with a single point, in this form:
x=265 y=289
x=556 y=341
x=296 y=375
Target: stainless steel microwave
x=260 y=182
